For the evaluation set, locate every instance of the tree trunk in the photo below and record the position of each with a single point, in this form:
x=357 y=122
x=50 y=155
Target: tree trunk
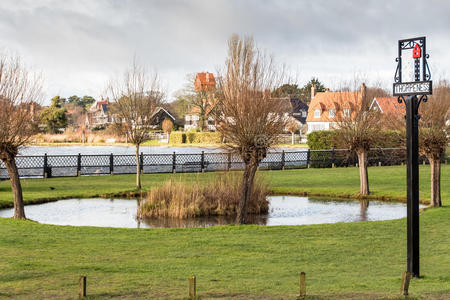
x=293 y=138
x=138 y=169
x=13 y=172
x=435 y=182
x=247 y=185
x=363 y=175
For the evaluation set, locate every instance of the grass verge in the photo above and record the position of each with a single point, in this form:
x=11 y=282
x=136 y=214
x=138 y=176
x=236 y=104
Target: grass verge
x=362 y=260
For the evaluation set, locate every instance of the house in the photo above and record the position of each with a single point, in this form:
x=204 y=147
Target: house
x=299 y=110
x=159 y=115
x=327 y=107
x=98 y=115
x=388 y=106
x=204 y=82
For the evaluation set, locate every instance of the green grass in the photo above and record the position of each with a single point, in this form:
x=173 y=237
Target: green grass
x=362 y=260
x=385 y=182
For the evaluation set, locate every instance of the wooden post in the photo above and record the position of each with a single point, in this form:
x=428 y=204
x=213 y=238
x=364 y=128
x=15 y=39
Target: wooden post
x=405 y=283
x=82 y=287
x=302 y=285
x=192 y=287
x=79 y=165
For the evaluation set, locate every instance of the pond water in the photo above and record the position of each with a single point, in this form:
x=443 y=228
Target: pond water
x=283 y=210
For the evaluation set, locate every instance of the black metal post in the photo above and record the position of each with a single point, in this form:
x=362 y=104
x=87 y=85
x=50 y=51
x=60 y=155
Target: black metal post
x=283 y=160
x=332 y=157
x=412 y=169
x=45 y=166
x=202 y=161
x=111 y=164
x=308 y=157
x=174 y=162
x=141 y=161
x=79 y=165
x=229 y=161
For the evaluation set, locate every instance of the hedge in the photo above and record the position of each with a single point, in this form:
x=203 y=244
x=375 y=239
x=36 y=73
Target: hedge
x=192 y=137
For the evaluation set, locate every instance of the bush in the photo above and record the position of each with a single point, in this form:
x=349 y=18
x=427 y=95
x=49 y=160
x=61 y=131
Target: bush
x=193 y=137
x=188 y=200
x=177 y=137
x=322 y=139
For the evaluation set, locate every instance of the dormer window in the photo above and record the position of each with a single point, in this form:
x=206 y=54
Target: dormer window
x=331 y=113
x=346 y=112
x=304 y=113
x=317 y=113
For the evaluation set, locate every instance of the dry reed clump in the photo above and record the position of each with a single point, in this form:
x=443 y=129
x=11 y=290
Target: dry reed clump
x=71 y=136
x=183 y=200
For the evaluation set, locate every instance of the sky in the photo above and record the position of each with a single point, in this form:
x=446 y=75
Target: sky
x=79 y=45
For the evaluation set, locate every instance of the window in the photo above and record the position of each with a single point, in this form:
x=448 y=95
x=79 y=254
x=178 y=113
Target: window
x=346 y=112
x=331 y=113
x=317 y=113
x=304 y=113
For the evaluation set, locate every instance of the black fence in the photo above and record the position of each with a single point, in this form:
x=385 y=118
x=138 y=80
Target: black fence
x=88 y=165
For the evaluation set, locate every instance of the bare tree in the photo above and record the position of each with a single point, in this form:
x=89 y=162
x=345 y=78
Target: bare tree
x=137 y=94
x=292 y=126
x=248 y=118
x=19 y=91
x=357 y=127
x=434 y=130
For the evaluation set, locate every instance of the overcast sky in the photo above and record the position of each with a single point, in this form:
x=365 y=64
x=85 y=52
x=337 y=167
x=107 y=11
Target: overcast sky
x=79 y=45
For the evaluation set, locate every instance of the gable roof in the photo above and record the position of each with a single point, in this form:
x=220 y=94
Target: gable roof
x=297 y=107
x=388 y=105
x=325 y=101
x=204 y=81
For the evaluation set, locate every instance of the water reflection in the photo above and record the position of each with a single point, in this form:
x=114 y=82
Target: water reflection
x=283 y=210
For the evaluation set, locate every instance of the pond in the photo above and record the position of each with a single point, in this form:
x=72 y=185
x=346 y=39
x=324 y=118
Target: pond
x=283 y=210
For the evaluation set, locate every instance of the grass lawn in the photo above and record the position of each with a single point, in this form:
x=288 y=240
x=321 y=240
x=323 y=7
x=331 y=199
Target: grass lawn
x=362 y=260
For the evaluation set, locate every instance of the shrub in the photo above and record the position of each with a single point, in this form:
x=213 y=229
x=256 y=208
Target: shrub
x=183 y=200
x=323 y=139
x=177 y=137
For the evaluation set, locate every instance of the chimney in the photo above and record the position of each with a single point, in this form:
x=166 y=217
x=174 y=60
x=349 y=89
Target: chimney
x=327 y=90
x=313 y=91
x=363 y=91
x=207 y=77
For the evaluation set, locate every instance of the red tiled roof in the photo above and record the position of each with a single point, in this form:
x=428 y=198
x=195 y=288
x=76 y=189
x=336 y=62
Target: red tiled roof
x=204 y=81
x=388 y=105
x=333 y=100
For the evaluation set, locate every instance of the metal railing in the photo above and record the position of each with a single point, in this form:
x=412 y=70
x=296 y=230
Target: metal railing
x=87 y=165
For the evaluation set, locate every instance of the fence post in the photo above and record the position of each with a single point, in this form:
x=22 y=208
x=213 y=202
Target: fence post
x=282 y=160
x=229 y=161
x=192 y=287
x=308 y=157
x=45 y=166
x=405 y=283
x=333 y=165
x=141 y=162
x=302 y=285
x=79 y=165
x=111 y=164
x=202 y=162
x=82 y=287
x=174 y=162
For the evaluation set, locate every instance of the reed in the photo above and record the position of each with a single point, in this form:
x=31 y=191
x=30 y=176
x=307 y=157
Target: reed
x=181 y=199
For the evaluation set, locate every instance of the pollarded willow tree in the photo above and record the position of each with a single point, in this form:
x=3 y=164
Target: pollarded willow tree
x=434 y=129
x=249 y=119
x=136 y=96
x=20 y=90
x=357 y=127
